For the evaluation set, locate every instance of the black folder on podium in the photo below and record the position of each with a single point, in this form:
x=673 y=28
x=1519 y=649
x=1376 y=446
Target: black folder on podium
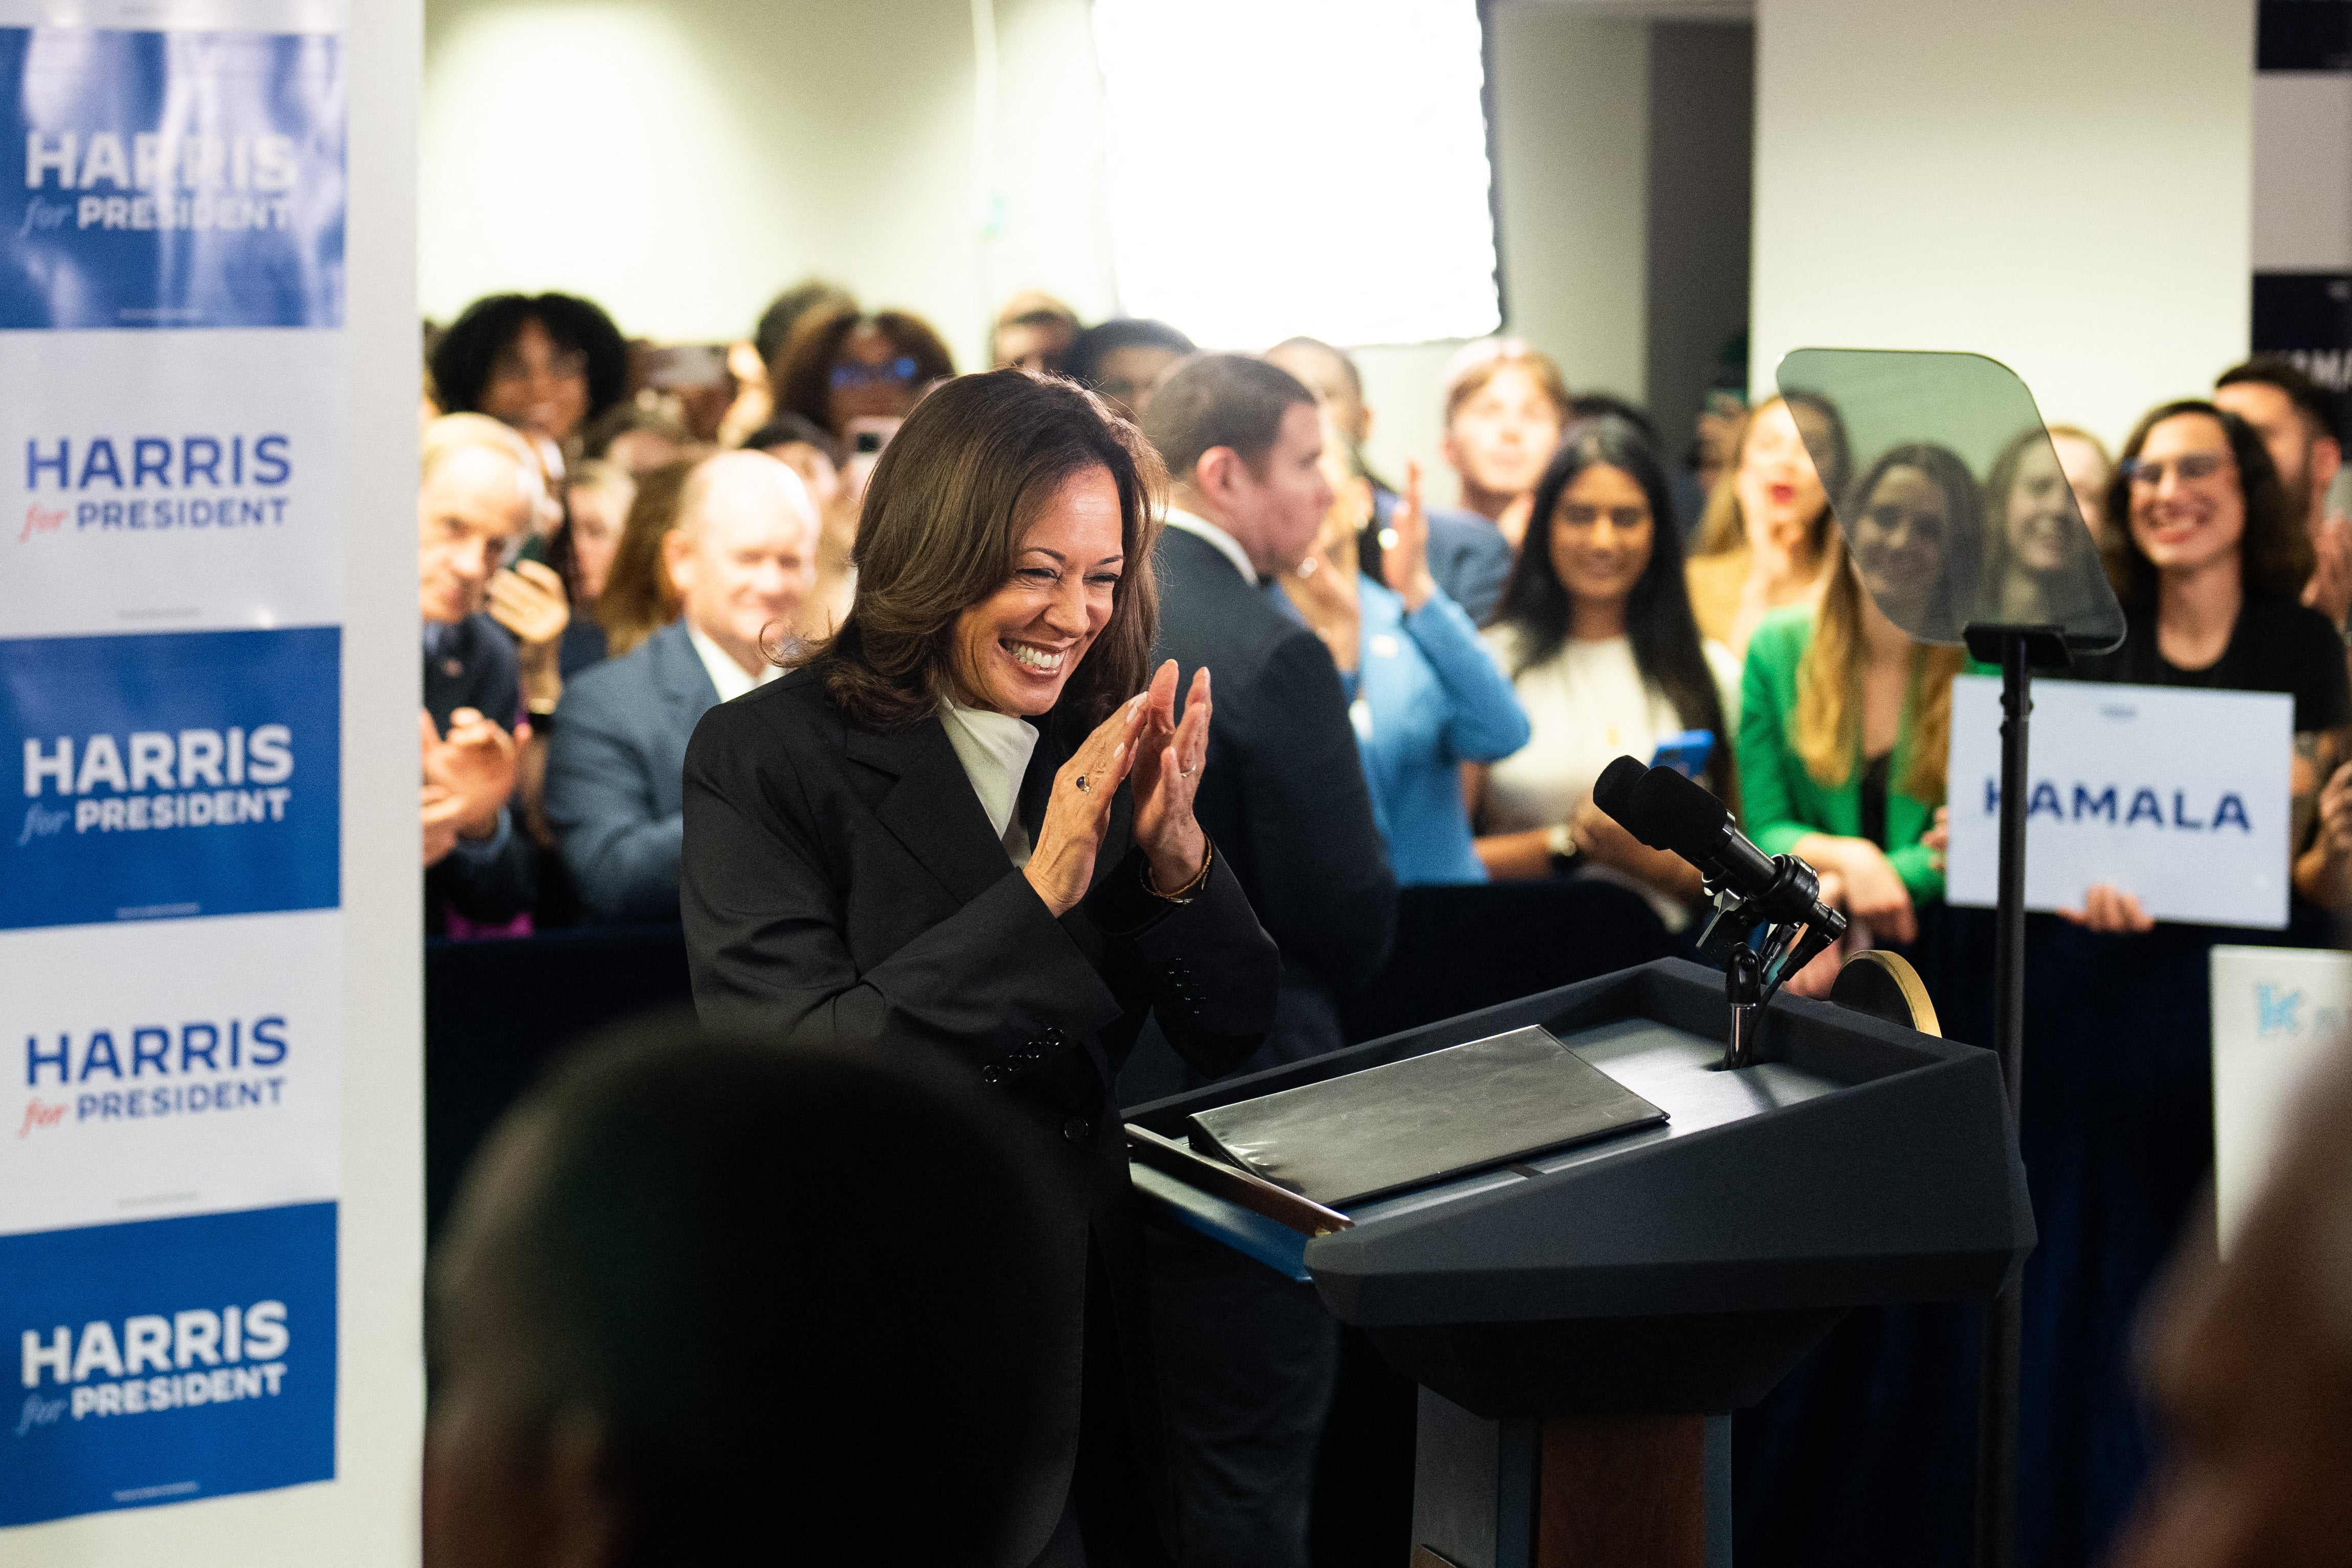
x=1582 y=1322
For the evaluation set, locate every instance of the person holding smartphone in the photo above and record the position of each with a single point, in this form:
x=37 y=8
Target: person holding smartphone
x=1596 y=634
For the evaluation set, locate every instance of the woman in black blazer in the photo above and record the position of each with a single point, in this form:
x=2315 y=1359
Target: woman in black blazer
x=919 y=836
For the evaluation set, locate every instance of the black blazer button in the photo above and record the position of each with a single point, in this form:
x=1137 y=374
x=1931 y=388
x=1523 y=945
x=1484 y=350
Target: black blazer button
x=1077 y=1129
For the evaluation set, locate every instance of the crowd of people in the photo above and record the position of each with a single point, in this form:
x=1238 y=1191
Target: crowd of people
x=616 y=539
x=618 y=536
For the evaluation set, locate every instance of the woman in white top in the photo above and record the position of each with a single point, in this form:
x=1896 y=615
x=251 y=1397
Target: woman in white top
x=1595 y=632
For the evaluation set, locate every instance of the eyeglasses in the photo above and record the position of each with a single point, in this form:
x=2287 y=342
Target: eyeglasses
x=2148 y=474
x=854 y=373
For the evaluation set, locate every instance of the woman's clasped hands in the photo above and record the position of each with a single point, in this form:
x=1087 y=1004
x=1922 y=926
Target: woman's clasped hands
x=1141 y=744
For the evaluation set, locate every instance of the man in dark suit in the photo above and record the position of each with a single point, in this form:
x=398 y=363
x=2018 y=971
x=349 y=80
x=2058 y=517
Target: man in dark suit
x=1467 y=554
x=1247 y=1356
x=479 y=490
x=743 y=556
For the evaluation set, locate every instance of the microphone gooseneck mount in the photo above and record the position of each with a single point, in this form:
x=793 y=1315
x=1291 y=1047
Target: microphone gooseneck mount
x=1746 y=888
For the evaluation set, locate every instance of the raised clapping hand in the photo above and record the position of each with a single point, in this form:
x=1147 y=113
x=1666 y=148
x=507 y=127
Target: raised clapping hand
x=1405 y=563
x=528 y=600
x=467 y=778
x=1140 y=740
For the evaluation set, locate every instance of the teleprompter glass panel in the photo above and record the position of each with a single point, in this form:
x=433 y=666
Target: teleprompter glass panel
x=1949 y=494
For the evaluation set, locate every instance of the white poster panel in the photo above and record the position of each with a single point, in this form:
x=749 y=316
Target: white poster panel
x=2276 y=1012
x=174 y=405
x=2180 y=798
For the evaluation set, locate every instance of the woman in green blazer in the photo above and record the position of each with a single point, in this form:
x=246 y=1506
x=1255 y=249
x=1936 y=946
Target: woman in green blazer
x=1843 y=730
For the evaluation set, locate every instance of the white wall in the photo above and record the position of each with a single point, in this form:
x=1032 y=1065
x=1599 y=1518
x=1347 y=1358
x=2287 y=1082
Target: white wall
x=681 y=160
x=2063 y=187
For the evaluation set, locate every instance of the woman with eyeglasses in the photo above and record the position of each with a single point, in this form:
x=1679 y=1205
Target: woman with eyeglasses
x=2209 y=566
x=840 y=367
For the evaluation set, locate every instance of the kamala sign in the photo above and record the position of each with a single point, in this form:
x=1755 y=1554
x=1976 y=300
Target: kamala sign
x=2178 y=797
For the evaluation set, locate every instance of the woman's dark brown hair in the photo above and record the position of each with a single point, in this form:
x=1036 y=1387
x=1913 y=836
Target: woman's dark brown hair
x=950 y=500
x=2274 y=552
x=802 y=375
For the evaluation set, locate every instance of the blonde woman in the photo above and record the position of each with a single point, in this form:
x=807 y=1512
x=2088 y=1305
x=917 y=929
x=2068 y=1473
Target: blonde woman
x=1844 y=724
x=1764 y=537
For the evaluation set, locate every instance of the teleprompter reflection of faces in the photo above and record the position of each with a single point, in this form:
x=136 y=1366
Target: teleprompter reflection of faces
x=748 y=557
x=1015 y=650
x=472 y=511
x=1601 y=534
x=537 y=385
x=1277 y=513
x=2040 y=516
x=1504 y=434
x=1898 y=543
x=2182 y=524
x=1780 y=491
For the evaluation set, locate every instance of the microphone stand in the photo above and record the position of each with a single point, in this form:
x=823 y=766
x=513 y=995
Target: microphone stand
x=1751 y=979
x=2019 y=650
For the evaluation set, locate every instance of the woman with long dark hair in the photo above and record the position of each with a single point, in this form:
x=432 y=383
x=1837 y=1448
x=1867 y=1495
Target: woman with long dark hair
x=963 y=823
x=1596 y=632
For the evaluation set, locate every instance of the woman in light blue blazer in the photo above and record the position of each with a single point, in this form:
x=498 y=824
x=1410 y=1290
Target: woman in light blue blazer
x=1423 y=694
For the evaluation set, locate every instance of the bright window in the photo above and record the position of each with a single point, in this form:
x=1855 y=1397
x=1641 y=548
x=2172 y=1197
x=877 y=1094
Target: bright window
x=1299 y=166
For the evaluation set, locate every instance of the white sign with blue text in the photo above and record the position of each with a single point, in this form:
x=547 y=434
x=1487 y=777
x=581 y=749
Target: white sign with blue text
x=2278 y=1012
x=171 y=457
x=2179 y=797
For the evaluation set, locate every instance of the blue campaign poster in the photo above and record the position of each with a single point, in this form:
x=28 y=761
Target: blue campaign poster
x=171 y=179
x=169 y=1359
x=169 y=776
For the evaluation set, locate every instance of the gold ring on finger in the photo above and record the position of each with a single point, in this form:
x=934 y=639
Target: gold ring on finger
x=1083 y=785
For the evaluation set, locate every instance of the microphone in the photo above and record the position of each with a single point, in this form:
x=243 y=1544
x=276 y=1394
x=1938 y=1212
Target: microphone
x=1668 y=811
x=1614 y=792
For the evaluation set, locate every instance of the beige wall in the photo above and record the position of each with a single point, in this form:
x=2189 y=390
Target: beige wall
x=2063 y=187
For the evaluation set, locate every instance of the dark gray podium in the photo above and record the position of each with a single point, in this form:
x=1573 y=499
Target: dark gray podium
x=1583 y=1323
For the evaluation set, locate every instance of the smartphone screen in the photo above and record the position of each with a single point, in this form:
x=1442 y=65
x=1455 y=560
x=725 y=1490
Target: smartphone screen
x=1685 y=753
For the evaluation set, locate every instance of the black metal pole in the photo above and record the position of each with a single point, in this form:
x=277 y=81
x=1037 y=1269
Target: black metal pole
x=1997 y=1383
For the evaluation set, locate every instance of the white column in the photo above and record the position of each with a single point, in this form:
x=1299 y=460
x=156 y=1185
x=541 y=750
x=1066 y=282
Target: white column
x=2066 y=188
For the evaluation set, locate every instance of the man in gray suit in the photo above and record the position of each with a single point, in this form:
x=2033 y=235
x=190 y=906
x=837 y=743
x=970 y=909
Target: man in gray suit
x=743 y=556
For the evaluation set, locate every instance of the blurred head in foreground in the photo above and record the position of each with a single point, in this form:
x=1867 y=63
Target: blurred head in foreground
x=2252 y=1363
x=704 y=1304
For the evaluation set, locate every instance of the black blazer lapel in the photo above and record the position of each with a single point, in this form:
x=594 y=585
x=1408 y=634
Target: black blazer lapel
x=933 y=809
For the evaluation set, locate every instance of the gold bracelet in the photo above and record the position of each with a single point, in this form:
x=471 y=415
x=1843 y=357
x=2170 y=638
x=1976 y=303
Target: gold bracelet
x=1191 y=890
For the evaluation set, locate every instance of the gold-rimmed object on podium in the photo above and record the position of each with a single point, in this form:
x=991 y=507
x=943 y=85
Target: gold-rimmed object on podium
x=1885 y=985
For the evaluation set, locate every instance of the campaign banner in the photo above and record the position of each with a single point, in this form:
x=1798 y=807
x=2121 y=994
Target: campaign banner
x=170 y=481
x=171 y=775
x=2179 y=797
x=203 y=1071
x=2277 y=1012
x=2307 y=318
x=172 y=179
x=172 y=484
x=162 y=1360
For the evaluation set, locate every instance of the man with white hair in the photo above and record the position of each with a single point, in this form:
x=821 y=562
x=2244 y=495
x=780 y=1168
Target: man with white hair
x=743 y=556
x=480 y=491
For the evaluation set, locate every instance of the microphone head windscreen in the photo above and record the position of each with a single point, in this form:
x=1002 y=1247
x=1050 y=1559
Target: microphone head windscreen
x=1676 y=814
x=1613 y=790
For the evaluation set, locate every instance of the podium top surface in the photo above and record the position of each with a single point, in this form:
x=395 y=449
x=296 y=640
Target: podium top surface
x=1854 y=1162
x=1673 y=1069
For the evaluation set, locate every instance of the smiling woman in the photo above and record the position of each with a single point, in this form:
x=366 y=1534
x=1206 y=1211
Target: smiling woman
x=918 y=839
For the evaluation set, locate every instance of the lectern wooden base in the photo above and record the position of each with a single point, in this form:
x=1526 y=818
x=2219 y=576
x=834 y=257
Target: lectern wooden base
x=1570 y=1491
